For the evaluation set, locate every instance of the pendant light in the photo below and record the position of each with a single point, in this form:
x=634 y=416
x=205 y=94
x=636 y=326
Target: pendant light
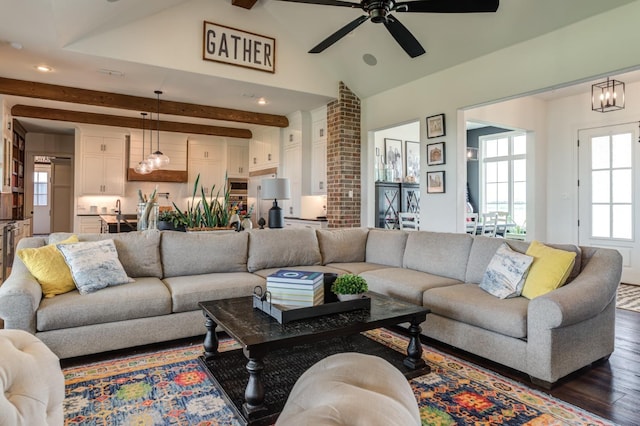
x=158 y=160
x=143 y=167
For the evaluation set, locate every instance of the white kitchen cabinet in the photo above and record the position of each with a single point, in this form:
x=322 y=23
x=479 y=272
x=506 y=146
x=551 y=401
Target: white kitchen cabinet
x=89 y=224
x=207 y=159
x=238 y=159
x=305 y=223
x=319 y=152
x=292 y=169
x=264 y=148
x=102 y=165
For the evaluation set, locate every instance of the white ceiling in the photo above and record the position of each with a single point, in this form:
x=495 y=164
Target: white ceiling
x=46 y=28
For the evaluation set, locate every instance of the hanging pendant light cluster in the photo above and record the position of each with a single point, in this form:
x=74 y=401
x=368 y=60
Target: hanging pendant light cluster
x=157 y=159
x=143 y=167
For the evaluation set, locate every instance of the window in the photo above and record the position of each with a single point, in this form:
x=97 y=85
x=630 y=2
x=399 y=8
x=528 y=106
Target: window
x=504 y=175
x=612 y=189
x=40 y=187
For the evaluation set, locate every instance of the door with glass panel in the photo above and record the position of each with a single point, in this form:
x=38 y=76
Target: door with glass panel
x=608 y=193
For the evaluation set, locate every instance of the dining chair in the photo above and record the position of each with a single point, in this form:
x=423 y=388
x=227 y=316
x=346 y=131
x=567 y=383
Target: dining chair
x=489 y=224
x=472 y=223
x=409 y=221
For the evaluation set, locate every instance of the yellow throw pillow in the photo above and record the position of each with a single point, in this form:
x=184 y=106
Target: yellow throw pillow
x=47 y=265
x=549 y=270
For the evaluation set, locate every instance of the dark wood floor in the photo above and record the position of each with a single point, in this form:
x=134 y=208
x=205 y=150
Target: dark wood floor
x=610 y=389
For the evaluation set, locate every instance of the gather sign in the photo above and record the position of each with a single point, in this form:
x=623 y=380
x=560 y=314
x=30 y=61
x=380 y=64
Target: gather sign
x=237 y=47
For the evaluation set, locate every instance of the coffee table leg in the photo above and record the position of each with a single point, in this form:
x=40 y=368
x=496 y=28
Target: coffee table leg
x=414 y=350
x=210 y=339
x=254 y=393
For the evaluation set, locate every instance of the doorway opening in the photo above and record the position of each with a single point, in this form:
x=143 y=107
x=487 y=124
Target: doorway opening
x=52 y=194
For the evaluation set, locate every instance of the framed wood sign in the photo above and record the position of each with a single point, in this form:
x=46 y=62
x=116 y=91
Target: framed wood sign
x=237 y=47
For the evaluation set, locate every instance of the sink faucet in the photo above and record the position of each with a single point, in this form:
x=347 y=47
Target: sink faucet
x=118 y=206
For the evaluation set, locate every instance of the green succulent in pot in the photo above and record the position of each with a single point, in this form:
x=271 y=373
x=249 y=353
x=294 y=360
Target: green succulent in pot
x=349 y=284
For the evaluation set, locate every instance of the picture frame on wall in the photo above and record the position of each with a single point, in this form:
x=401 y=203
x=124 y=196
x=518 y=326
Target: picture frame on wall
x=435 y=182
x=435 y=126
x=412 y=161
x=393 y=159
x=435 y=154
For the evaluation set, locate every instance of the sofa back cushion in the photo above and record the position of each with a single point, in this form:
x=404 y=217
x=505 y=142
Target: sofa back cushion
x=484 y=248
x=279 y=248
x=196 y=253
x=342 y=245
x=438 y=253
x=386 y=247
x=139 y=252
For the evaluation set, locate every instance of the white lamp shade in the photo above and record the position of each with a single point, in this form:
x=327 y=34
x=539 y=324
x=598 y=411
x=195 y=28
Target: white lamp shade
x=276 y=189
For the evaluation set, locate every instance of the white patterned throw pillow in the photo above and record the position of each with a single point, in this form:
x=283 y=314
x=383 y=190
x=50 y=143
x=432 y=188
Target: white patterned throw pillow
x=506 y=273
x=94 y=265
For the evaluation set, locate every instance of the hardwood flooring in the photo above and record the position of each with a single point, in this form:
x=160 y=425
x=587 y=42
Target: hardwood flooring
x=610 y=389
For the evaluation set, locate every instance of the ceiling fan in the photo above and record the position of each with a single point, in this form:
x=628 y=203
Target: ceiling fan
x=379 y=11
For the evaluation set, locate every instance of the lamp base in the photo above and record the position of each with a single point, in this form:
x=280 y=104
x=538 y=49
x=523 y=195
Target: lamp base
x=276 y=216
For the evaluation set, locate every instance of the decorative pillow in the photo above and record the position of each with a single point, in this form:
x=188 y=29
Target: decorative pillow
x=94 y=265
x=505 y=275
x=47 y=265
x=550 y=269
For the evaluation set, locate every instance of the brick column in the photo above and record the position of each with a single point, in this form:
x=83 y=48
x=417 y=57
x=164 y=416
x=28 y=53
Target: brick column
x=343 y=160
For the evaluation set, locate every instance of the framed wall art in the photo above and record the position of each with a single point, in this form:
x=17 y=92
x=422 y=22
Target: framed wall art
x=393 y=158
x=435 y=126
x=435 y=182
x=435 y=154
x=412 y=161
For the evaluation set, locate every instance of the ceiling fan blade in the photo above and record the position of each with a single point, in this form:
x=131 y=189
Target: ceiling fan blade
x=327 y=3
x=403 y=36
x=339 y=34
x=447 y=6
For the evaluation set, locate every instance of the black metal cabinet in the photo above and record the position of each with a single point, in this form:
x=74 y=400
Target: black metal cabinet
x=393 y=198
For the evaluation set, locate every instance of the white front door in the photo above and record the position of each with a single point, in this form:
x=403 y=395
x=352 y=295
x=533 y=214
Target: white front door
x=609 y=192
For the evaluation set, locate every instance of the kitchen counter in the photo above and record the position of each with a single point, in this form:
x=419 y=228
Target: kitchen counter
x=297 y=222
x=128 y=223
x=307 y=219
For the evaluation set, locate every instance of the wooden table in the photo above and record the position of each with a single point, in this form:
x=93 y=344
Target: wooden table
x=259 y=334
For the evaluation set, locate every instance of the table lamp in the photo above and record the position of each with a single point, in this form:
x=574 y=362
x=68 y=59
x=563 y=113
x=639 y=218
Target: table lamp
x=276 y=189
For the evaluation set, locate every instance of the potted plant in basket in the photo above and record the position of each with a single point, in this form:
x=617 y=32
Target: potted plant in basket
x=349 y=287
x=210 y=212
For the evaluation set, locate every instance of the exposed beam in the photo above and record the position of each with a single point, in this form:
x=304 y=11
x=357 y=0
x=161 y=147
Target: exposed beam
x=247 y=4
x=129 y=122
x=54 y=92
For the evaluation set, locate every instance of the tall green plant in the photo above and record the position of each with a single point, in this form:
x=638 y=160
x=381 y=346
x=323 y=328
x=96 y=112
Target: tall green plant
x=206 y=212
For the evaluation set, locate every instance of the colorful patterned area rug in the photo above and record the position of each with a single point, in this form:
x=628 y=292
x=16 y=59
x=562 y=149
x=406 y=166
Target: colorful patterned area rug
x=628 y=297
x=170 y=388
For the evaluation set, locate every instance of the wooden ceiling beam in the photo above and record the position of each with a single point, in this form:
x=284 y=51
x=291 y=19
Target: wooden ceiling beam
x=247 y=4
x=31 y=89
x=128 y=122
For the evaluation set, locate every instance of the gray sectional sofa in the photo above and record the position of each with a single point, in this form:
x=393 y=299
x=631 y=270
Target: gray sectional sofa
x=547 y=337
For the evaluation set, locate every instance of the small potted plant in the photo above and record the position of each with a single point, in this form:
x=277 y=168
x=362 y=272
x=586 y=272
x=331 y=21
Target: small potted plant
x=170 y=220
x=349 y=287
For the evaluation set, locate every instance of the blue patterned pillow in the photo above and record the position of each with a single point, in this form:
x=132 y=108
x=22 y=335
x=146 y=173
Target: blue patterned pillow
x=94 y=265
x=506 y=273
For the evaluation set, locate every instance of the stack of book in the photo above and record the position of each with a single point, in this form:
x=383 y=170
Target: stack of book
x=296 y=288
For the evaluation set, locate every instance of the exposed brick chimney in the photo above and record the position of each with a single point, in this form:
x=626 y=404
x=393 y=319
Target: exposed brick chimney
x=343 y=160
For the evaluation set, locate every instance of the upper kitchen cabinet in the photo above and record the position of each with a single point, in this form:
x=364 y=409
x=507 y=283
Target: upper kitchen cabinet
x=295 y=160
x=319 y=151
x=238 y=158
x=207 y=159
x=103 y=165
x=264 y=148
x=173 y=145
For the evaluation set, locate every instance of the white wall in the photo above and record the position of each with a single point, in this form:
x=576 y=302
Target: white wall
x=575 y=53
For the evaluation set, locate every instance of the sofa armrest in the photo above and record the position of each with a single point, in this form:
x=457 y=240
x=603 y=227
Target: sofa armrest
x=20 y=296
x=583 y=298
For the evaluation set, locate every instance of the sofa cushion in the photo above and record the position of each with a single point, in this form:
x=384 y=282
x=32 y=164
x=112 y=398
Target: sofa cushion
x=356 y=268
x=139 y=252
x=47 y=265
x=146 y=297
x=506 y=273
x=196 y=253
x=187 y=291
x=469 y=304
x=342 y=245
x=279 y=248
x=438 y=253
x=94 y=265
x=550 y=269
x=386 y=247
x=405 y=284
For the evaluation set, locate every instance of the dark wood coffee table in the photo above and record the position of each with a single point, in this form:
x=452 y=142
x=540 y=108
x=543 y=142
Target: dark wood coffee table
x=262 y=336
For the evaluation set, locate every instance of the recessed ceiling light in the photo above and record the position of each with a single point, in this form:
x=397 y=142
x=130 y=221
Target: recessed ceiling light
x=44 y=68
x=262 y=101
x=369 y=59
